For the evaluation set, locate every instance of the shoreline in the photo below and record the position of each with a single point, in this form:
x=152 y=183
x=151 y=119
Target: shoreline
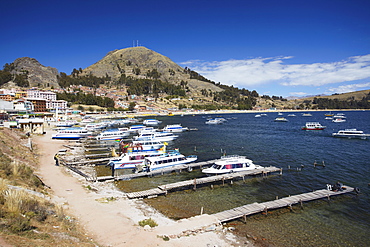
x=115 y=222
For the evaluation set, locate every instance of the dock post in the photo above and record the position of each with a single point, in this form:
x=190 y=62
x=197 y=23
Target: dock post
x=300 y=201
x=195 y=184
x=112 y=168
x=290 y=207
x=201 y=210
x=265 y=211
x=281 y=171
x=245 y=219
x=212 y=186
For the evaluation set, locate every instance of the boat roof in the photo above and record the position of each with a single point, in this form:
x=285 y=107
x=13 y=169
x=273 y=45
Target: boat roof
x=232 y=159
x=171 y=153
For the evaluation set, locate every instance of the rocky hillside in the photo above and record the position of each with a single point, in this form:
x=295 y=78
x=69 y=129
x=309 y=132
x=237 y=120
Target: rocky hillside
x=38 y=74
x=138 y=61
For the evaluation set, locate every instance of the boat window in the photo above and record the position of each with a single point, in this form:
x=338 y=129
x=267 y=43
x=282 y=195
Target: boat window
x=229 y=166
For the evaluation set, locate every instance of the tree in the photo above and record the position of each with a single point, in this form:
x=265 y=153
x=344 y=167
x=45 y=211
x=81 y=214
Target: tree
x=131 y=106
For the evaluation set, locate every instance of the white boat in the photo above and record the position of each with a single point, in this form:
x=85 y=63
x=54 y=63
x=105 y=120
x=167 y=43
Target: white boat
x=351 y=133
x=306 y=115
x=71 y=133
x=151 y=122
x=339 y=120
x=292 y=115
x=68 y=123
x=339 y=115
x=112 y=135
x=132 y=160
x=214 y=121
x=281 y=119
x=313 y=126
x=171 y=158
x=146 y=130
x=136 y=128
x=143 y=145
x=175 y=128
x=231 y=163
x=95 y=126
x=258 y=115
x=156 y=136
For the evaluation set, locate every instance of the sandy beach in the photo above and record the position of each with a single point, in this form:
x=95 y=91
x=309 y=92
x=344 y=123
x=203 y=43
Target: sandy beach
x=115 y=223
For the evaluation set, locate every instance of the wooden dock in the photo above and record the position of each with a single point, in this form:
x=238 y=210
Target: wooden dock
x=164 y=189
x=254 y=208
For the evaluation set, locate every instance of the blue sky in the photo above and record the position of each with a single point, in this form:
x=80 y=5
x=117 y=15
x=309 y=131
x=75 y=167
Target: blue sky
x=283 y=48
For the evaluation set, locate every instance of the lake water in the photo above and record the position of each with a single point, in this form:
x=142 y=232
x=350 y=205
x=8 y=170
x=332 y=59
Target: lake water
x=342 y=221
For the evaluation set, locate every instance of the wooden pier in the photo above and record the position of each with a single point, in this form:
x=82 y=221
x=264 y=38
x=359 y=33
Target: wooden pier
x=164 y=189
x=254 y=208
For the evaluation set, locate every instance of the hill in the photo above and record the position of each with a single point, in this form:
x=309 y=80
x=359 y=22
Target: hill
x=28 y=72
x=357 y=95
x=143 y=63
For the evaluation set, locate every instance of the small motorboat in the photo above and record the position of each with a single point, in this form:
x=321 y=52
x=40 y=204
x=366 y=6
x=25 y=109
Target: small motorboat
x=281 y=119
x=313 y=126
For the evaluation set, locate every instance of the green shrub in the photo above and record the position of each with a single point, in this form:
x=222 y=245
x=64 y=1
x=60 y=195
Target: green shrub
x=150 y=222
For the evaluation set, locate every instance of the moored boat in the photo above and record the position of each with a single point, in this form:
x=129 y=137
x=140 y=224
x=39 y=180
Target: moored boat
x=136 y=128
x=67 y=123
x=174 y=128
x=213 y=121
x=132 y=160
x=351 y=133
x=281 y=119
x=112 y=135
x=143 y=145
x=313 y=126
x=71 y=133
x=151 y=122
x=339 y=120
x=231 y=163
x=170 y=159
x=156 y=136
